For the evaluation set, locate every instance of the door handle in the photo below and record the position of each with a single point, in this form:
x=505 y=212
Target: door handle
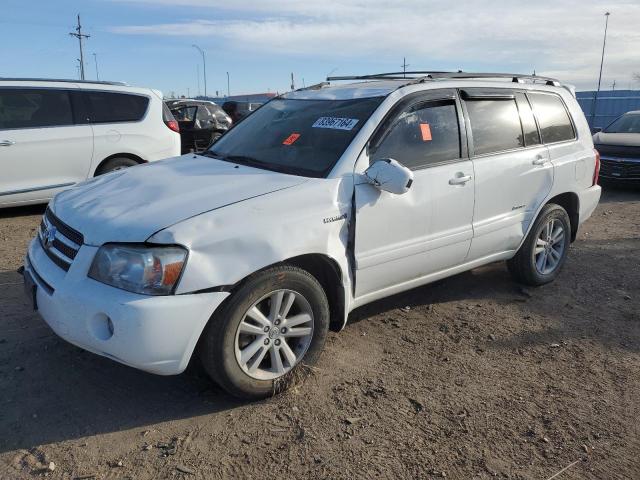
x=461 y=180
x=6 y=143
x=539 y=160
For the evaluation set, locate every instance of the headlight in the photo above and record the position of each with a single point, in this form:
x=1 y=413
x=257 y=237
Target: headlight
x=139 y=268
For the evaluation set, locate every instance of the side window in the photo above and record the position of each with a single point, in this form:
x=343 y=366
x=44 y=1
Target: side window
x=495 y=125
x=424 y=134
x=185 y=114
x=33 y=108
x=555 y=124
x=110 y=107
x=531 y=135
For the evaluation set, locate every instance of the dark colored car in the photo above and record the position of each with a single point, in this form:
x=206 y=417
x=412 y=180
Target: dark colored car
x=201 y=123
x=619 y=147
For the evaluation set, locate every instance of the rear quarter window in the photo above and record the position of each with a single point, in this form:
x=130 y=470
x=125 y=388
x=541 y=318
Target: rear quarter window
x=553 y=118
x=112 y=107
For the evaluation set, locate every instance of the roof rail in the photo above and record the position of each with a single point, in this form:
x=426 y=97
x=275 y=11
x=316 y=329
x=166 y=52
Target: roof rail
x=420 y=75
x=65 y=80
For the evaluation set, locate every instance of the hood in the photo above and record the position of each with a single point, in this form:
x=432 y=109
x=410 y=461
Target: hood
x=622 y=139
x=131 y=205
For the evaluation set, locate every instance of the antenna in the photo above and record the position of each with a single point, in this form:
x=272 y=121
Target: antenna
x=79 y=35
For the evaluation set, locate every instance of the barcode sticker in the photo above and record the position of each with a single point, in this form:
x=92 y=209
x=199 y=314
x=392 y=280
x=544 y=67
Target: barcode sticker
x=336 y=123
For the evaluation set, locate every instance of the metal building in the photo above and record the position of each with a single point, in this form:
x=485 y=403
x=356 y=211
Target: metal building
x=611 y=104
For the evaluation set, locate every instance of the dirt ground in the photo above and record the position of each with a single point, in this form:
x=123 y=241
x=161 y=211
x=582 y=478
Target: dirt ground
x=471 y=377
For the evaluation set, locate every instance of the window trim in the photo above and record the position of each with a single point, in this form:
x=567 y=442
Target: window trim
x=571 y=121
x=523 y=98
x=415 y=98
x=64 y=125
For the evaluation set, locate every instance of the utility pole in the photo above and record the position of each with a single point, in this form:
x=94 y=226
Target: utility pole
x=613 y=86
x=228 y=86
x=595 y=97
x=95 y=59
x=204 y=67
x=293 y=85
x=79 y=35
x=404 y=66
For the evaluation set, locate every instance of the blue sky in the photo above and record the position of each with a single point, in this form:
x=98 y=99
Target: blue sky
x=260 y=42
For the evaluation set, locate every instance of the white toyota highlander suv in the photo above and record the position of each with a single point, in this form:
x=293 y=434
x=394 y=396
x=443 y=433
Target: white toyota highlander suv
x=323 y=200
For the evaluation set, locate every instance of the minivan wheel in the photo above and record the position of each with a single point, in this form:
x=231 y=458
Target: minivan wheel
x=275 y=323
x=114 y=164
x=544 y=251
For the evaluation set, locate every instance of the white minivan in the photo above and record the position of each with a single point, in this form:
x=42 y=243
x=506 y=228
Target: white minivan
x=321 y=201
x=56 y=133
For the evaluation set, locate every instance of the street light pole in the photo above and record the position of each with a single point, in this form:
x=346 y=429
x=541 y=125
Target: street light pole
x=595 y=97
x=95 y=59
x=204 y=67
x=228 y=87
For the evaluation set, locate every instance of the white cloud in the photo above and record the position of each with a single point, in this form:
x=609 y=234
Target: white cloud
x=561 y=38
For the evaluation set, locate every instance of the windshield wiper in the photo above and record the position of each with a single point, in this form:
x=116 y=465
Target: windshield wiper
x=247 y=160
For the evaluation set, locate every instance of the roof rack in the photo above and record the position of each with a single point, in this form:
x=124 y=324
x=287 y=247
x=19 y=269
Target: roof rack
x=65 y=80
x=421 y=76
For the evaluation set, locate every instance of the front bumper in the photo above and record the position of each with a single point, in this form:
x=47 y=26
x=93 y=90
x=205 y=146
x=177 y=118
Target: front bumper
x=157 y=334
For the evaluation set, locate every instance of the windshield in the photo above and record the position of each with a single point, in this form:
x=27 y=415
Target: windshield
x=625 y=124
x=303 y=137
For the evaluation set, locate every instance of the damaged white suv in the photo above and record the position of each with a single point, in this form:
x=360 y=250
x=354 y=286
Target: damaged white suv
x=322 y=200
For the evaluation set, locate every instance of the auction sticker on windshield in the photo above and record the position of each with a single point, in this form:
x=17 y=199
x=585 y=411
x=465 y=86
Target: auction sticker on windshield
x=335 y=123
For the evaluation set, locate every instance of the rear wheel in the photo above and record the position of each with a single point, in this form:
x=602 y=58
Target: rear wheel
x=544 y=251
x=114 y=164
x=265 y=332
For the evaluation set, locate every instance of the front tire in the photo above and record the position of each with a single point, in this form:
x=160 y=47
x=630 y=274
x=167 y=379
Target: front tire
x=544 y=251
x=256 y=342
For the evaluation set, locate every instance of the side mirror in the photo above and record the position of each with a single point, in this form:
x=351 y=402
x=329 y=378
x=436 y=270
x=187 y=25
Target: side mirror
x=595 y=130
x=389 y=175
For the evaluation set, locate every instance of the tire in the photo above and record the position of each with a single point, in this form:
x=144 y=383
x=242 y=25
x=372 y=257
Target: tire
x=224 y=346
x=114 y=164
x=530 y=266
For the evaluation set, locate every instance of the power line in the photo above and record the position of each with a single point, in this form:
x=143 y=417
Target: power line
x=79 y=35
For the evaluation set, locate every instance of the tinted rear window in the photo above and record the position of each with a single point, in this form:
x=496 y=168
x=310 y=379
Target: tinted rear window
x=110 y=107
x=495 y=125
x=555 y=124
x=33 y=108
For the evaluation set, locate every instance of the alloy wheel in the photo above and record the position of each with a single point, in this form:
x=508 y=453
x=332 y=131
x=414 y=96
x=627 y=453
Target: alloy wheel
x=274 y=334
x=550 y=246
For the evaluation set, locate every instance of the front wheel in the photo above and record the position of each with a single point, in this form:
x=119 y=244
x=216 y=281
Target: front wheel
x=544 y=251
x=276 y=322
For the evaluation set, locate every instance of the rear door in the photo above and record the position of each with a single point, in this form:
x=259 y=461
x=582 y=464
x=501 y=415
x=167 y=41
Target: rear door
x=400 y=238
x=43 y=149
x=513 y=170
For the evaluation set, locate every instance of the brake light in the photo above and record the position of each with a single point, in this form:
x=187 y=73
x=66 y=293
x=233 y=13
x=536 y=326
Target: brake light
x=596 y=170
x=173 y=125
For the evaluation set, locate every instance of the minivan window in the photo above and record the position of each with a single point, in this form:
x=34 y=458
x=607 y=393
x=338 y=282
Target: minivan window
x=628 y=123
x=33 y=108
x=422 y=135
x=555 y=124
x=305 y=137
x=495 y=125
x=111 y=107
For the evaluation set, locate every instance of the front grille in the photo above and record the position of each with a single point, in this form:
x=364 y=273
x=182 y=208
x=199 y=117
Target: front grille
x=619 y=169
x=58 y=240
